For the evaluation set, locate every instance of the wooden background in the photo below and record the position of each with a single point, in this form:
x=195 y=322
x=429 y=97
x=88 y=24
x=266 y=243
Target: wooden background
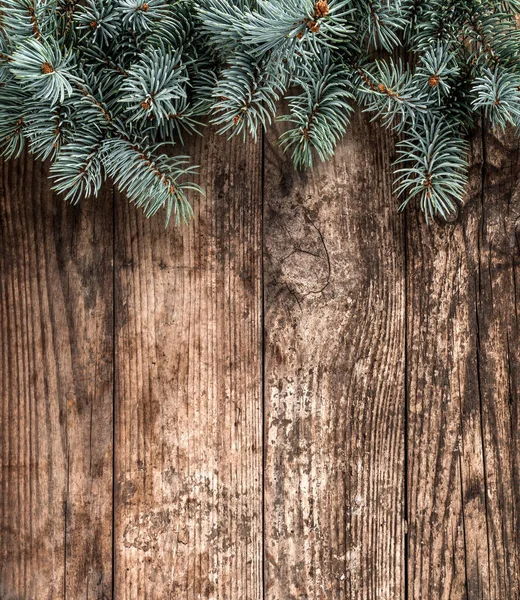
x=301 y=395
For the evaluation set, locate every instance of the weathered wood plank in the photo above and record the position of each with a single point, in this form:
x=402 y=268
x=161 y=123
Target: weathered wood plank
x=188 y=513
x=498 y=352
x=445 y=469
x=462 y=349
x=334 y=375
x=56 y=390
x=188 y=521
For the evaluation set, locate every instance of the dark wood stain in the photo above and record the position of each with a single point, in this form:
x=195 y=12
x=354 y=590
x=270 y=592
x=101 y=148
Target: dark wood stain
x=301 y=395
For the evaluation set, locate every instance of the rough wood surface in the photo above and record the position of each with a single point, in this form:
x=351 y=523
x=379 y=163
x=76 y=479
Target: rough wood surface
x=498 y=344
x=188 y=390
x=334 y=376
x=56 y=390
x=463 y=366
x=301 y=395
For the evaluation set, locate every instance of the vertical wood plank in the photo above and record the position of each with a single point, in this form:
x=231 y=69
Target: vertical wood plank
x=463 y=383
x=445 y=466
x=56 y=390
x=334 y=375
x=498 y=348
x=188 y=520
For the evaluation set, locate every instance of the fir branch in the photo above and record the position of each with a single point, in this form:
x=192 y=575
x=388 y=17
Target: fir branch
x=434 y=167
x=150 y=180
x=78 y=171
x=245 y=96
x=98 y=85
x=44 y=70
x=83 y=79
x=437 y=71
x=394 y=95
x=498 y=94
x=320 y=112
x=154 y=86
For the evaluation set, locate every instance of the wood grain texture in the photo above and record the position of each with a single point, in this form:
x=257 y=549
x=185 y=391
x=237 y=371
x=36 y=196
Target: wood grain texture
x=498 y=347
x=301 y=395
x=334 y=375
x=56 y=390
x=188 y=502
x=462 y=349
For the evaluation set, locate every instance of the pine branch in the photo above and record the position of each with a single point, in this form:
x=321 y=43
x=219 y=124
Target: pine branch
x=44 y=70
x=245 y=96
x=78 y=171
x=320 y=112
x=394 y=94
x=433 y=167
x=498 y=94
x=462 y=59
x=97 y=86
x=150 y=180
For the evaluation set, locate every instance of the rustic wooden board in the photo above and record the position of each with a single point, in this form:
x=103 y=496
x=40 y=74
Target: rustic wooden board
x=384 y=398
x=334 y=375
x=56 y=390
x=462 y=357
x=188 y=502
x=498 y=310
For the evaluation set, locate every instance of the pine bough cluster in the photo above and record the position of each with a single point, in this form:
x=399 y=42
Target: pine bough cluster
x=102 y=87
